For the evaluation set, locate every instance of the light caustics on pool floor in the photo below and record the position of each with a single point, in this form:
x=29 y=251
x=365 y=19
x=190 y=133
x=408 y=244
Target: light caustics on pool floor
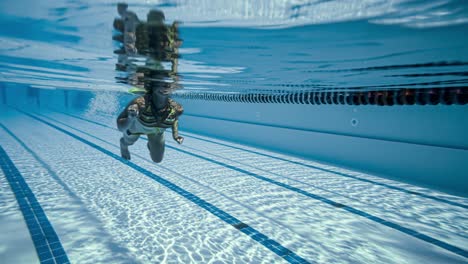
x=209 y=201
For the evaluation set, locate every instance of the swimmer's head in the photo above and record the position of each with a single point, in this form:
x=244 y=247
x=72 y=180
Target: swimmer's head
x=121 y=8
x=155 y=16
x=163 y=88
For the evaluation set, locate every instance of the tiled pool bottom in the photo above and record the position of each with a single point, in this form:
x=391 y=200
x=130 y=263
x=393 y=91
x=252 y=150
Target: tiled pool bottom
x=209 y=201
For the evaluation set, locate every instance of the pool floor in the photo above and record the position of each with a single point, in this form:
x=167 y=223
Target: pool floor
x=67 y=196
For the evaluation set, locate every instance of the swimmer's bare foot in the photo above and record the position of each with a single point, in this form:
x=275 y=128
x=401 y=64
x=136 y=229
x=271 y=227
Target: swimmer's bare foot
x=124 y=152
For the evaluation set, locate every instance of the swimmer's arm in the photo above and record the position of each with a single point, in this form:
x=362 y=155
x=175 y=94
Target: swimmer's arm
x=175 y=132
x=124 y=120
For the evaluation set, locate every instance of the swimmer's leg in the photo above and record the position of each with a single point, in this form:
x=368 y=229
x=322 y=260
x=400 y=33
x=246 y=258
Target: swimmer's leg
x=156 y=145
x=125 y=141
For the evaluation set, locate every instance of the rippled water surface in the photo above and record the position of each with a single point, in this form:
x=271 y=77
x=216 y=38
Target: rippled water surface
x=264 y=45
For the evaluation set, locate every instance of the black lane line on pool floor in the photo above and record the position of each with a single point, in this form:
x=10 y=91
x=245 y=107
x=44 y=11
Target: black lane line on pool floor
x=305 y=165
x=174 y=172
x=48 y=246
x=264 y=240
x=408 y=231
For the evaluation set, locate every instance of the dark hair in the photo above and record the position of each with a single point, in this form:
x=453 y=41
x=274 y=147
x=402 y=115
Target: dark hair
x=155 y=15
x=122 y=5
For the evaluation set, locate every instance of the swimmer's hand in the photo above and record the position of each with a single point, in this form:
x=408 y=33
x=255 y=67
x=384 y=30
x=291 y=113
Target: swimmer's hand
x=132 y=111
x=179 y=139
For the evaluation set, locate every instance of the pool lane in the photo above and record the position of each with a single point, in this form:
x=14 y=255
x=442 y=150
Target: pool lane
x=264 y=240
x=442 y=200
x=48 y=246
x=149 y=221
x=395 y=226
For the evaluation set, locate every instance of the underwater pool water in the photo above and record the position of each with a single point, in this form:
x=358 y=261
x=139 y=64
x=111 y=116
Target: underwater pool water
x=315 y=132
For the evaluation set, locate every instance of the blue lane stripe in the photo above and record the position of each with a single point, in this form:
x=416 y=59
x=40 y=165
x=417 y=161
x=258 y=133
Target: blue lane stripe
x=41 y=230
x=308 y=166
x=264 y=240
x=408 y=231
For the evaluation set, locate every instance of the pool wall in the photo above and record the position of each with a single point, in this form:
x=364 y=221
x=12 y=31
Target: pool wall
x=423 y=145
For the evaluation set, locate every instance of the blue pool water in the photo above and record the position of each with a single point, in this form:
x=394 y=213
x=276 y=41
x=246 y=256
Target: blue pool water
x=315 y=132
